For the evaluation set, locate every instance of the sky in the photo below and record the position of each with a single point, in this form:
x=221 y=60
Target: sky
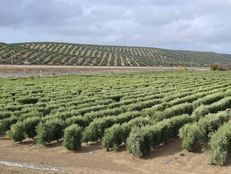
x=203 y=25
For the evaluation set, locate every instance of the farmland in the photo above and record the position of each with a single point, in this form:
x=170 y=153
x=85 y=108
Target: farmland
x=52 y=53
x=140 y=112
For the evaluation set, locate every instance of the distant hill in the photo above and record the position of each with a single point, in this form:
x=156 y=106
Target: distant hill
x=50 y=53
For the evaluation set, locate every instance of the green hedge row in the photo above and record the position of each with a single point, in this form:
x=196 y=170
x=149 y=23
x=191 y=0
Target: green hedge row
x=72 y=137
x=96 y=129
x=208 y=99
x=141 y=140
x=118 y=134
x=194 y=135
x=221 y=144
x=220 y=105
x=23 y=129
x=185 y=108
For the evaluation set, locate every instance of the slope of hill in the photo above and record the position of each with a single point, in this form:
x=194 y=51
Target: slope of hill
x=50 y=53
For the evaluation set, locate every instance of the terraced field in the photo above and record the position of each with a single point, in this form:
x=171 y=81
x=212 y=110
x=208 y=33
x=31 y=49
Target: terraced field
x=49 y=53
x=140 y=110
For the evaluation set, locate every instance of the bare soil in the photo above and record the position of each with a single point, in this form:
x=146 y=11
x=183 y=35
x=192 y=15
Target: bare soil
x=93 y=159
x=40 y=70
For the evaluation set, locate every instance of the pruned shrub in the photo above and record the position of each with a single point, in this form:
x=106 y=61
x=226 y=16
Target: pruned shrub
x=211 y=122
x=168 y=128
x=30 y=125
x=200 y=112
x=72 y=137
x=49 y=131
x=95 y=130
x=6 y=123
x=139 y=142
x=221 y=144
x=16 y=132
x=113 y=137
x=118 y=134
x=192 y=137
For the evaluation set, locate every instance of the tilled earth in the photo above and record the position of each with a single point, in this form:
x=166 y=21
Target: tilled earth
x=93 y=159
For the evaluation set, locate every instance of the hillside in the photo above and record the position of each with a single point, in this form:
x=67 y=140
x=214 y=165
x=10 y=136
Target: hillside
x=48 y=53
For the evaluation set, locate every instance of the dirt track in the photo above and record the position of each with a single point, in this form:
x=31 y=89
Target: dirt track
x=93 y=159
x=38 y=70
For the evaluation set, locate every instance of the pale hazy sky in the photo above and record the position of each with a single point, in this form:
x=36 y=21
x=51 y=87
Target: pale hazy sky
x=176 y=24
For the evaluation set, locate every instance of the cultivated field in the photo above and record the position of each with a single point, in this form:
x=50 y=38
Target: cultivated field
x=70 y=122
x=50 y=53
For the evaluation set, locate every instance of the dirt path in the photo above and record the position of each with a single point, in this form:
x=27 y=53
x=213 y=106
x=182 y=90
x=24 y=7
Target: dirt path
x=93 y=159
x=36 y=70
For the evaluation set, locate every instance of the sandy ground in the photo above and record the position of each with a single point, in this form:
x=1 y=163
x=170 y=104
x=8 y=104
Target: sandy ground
x=38 y=70
x=93 y=159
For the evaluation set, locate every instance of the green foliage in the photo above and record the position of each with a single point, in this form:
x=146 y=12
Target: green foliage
x=208 y=99
x=5 y=114
x=114 y=136
x=109 y=107
x=30 y=125
x=72 y=137
x=49 y=131
x=141 y=140
x=221 y=144
x=199 y=112
x=79 y=120
x=192 y=137
x=6 y=123
x=185 y=108
x=211 y=122
x=95 y=130
x=16 y=132
x=146 y=104
x=118 y=134
x=213 y=108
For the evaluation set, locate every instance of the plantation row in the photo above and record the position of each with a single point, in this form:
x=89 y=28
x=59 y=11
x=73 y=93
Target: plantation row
x=138 y=110
x=96 y=55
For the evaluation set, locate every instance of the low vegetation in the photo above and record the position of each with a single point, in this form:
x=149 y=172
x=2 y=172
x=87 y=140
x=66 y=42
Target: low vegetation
x=221 y=144
x=141 y=111
x=73 y=137
x=194 y=135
